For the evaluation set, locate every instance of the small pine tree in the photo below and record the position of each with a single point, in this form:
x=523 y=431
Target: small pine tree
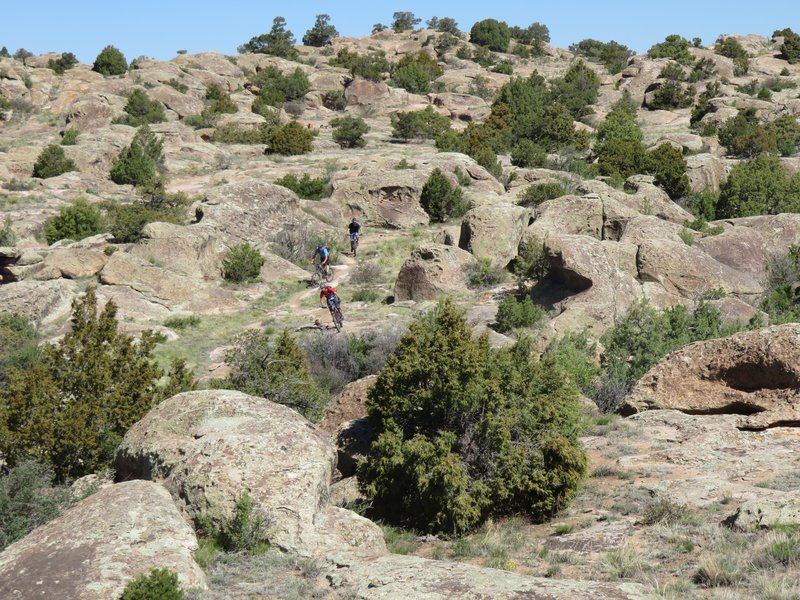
x=440 y=199
x=52 y=162
x=158 y=584
x=242 y=263
x=142 y=111
x=404 y=20
x=138 y=164
x=321 y=33
x=110 y=61
x=278 y=42
x=290 y=139
x=74 y=222
x=349 y=132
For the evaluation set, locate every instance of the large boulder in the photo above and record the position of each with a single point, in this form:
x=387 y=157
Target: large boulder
x=254 y=212
x=705 y=172
x=431 y=271
x=97 y=546
x=570 y=215
x=74 y=263
x=755 y=374
x=591 y=283
x=494 y=231
x=194 y=250
x=394 y=576
x=208 y=447
x=40 y=301
x=158 y=285
x=688 y=271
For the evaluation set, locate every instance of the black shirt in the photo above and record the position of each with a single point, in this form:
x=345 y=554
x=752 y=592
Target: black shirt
x=355 y=227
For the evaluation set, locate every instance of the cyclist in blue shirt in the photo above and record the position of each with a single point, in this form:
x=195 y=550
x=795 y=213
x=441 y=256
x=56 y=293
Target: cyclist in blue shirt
x=324 y=256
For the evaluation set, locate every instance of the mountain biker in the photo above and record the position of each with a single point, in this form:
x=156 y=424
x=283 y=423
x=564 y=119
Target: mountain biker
x=355 y=231
x=324 y=256
x=331 y=298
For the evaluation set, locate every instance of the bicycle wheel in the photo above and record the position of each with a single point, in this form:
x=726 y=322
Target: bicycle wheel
x=336 y=313
x=329 y=275
x=316 y=277
x=354 y=246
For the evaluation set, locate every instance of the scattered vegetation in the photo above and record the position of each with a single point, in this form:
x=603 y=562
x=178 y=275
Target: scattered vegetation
x=243 y=531
x=141 y=110
x=612 y=55
x=278 y=42
x=419 y=124
x=321 y=33
x=70 y=137
x=674 y=47
x=536 y=193
x=513 y=313
x=63 y=63
x=126 y=221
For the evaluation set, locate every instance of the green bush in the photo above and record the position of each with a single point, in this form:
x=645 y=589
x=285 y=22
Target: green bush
x=110 y=61
x=277 y=88
x=321 y=33
x=70 y=137
x=234 y=134
x=349 y=132
x=52 y=162
x=414 y=73
x=242 y=263
x=505 y=67
x=138 y=164
x=305 y=186
x=181 y=323
x=335 y=100
x=7 y=235
x=619 y=144
x=611 y=54
x=534 y=35
x=276 y=369
x=744 y=136
x=404 y=20
x=278 y=42
x=158 y=584
x=536 y=193
x=731 y=48
x=674 y=47
x=791 y=46
x=74 y=222
x=444 y=25
x=18 y=344
x=290 y=139
x=178 y=86
x=531 y=263
x=577 y=89
x=668 y=166
x=643 y=336
x=786 y=130
x=758 y=187
x=128 y=220
x=63 y=63
x=528 y=154
x=369 y=66
x=95 y=375
x=241 y=532
x=513 y=313
x=419 y=124
x=483 y=275
x=492 y=34
x=576 y=353
x=28 y=499
x=141 y=110
x=671 y=94
x=465 y=432
x=440 y=199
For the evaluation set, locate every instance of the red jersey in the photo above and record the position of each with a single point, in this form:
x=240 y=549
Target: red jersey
x=327 y=292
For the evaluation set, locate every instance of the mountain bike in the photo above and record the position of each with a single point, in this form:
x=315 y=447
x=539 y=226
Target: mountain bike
x=338 y=317
x=354 y=244
x=320 y=274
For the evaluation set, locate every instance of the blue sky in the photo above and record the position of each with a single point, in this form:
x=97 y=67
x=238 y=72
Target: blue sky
x=160 y=28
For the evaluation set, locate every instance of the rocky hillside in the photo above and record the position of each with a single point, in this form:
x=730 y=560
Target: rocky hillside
x=673 y=181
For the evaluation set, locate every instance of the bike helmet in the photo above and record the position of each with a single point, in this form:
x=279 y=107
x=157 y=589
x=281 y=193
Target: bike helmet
x=320 y=246
x=354 y=220
x=323 y=285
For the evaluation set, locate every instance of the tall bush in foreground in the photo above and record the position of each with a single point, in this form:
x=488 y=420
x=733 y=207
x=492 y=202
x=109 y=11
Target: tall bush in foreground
x=242 y=263
x=465 y=432
x=71 y=409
